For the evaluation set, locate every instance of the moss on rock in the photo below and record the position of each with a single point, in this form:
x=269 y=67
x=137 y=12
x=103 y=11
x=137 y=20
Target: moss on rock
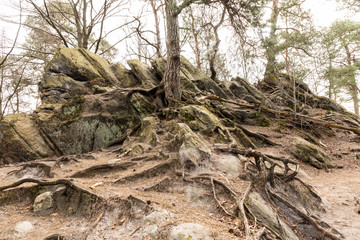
x=311 y=154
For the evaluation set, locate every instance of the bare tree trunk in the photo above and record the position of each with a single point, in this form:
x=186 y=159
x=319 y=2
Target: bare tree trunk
x=196 y=48
x=17 y=110
x=157 y=29
x=172 y=73
x=215 y=47
x=1 y=91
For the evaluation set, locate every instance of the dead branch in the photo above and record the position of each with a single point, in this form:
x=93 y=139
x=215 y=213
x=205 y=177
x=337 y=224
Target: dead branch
x=101 y=215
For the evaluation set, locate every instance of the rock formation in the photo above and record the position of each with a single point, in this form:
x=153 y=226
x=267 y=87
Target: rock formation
x=145 y=171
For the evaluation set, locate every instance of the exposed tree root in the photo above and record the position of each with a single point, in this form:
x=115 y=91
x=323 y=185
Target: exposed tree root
x=313 y=221
x=123 y=137
x=260 y=158
x=154 y=171
x=66 y=182
x=224 y=185
x=217 y=200
x=110 y=167
x=41 y=167
x=257 y=136
x=243 y=213
x=160 y=186
x=289 y=115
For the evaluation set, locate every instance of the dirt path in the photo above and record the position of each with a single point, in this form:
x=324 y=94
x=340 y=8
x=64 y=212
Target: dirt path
x=341 y=189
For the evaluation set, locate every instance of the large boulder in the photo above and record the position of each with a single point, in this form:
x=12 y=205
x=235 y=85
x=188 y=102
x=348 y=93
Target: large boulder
x=144 y=73
x=192 y=148
x=88 y=123
x=266 y=214
x=310 y=153
x=73 y=118
x=21 y=140
x=200 y=118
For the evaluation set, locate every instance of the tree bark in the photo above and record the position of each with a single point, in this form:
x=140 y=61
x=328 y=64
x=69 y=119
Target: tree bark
x=271 y=40
x=172 y=73
x=352 y=82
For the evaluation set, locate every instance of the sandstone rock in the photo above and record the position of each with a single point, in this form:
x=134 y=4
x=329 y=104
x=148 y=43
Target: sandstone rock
x=58 y=88
x=141 y=106
x=73 y=72
x=311 y=154
x=88 y=123
x=20 y=140
x=200 y=118
x=144 y=73
x=125 y=77
x=151 y=231
x=192 y=149
x=148 y=130
x=193 y=81
x=259 y=207
x=159 y=216
x=23 y=227
x=81 y=65
x=43 y=203
x=226 y=163
x=191 y=231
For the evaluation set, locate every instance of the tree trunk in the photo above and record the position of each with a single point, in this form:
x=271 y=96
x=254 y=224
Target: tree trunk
x=352 y=82
x=172 y=73
x=271 y=41
x=355 y=98
x=157 y=28
x=196 y=48
x=331 y=81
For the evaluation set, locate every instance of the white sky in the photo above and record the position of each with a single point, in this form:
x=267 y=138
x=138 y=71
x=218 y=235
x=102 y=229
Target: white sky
x=324 y=13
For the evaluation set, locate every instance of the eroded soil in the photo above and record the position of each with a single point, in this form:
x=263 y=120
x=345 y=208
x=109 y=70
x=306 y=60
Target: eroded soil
x=156 y=187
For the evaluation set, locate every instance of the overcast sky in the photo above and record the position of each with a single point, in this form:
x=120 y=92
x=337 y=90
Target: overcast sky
x=324 y=13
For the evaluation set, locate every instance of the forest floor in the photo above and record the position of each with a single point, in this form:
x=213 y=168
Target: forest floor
x=183 y=201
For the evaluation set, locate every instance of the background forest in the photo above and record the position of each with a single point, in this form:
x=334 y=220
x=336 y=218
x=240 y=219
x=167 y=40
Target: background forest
x=252 y=39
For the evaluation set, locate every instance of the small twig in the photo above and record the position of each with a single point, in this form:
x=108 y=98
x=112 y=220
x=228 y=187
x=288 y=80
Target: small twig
x=101 y=215
x=217 y=200
x=135 y=230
